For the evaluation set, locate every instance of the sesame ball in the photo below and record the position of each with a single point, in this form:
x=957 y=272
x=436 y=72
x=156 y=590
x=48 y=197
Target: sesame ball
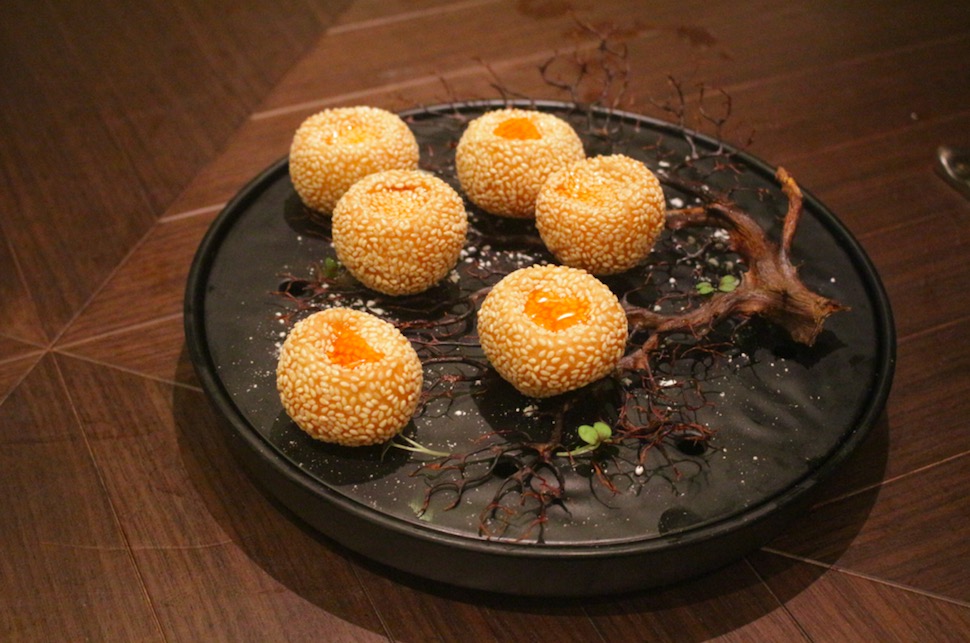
x=504 y=156
x=551 y=329
x=333 y=149
x=602 y=214
x=347 y=377
x=399 y=232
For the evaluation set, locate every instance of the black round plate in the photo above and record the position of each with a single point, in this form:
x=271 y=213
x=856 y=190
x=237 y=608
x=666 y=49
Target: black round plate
x=785 y=416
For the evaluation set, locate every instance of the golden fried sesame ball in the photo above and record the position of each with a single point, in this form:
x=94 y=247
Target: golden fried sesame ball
x=505 y=155
x=347 y=377
x=551 y=329
x=602 y=214
x=400 y=231
x=335 y=148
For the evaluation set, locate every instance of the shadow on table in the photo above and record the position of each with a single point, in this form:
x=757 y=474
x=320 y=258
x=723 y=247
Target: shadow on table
x=320 y=570
x=312 y=567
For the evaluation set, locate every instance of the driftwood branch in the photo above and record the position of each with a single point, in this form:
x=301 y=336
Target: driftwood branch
x=771 y=287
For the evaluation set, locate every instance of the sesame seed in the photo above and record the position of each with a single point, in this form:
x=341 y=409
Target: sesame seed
x=602 y=214
x=333 y=149
x=348 y=402
x=505 y=155
x=399 y=231
x=541 y=359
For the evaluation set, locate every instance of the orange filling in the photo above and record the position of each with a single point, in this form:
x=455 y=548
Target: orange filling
x=555 y=312
x=574 y=187
x=349 y=349
x=349 y=134
x=519 y=129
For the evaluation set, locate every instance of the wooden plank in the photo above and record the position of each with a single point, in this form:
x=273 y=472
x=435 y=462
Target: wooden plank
x=13 y=349
x=366 y=14
x=61 y=541
x=149 y=285
x=106 y=114
x=907 y=532
x=923 y=270
x=155 y=349
x=415 y=609
x=730 y=604
x=837 y=606
x=230 y=564
x=19 y=317
x=473 y=81
x=929 y=405
x=13 y=370
x=711 y=35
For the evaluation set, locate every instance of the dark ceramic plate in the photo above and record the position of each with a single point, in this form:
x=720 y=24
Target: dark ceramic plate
x=784 y=416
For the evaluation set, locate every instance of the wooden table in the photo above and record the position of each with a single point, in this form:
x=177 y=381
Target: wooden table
x=124 y=131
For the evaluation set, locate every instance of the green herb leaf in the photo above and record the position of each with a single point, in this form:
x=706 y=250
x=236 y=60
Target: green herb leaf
x=705 y=288
x=588 y=434
x=728 y=283
x=330 y=267
x=603 y=431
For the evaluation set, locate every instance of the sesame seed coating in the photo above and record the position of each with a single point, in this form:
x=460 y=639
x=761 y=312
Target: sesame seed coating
x=505 y=155
x=551 y=329
x=602 y=214
x=399 y=232
x=347 y=377
x=333 y=149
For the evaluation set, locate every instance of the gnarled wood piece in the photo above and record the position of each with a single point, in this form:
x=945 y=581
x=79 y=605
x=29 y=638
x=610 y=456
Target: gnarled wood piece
x=771 y=287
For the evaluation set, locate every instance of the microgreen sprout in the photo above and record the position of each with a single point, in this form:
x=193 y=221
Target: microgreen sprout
x=330 y=267
x=416 y=447
x=593 y=435
x=727 y=284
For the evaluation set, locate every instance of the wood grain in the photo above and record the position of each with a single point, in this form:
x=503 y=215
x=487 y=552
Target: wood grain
x=148 y=286
x=218 y=559
x=729 y=604
x=154 y=349
x=61 y=539
x=928 y=424
x=12 y=349
x=920 y=507
x=12 y=371
x=19 y=317
x=414 y=609
x=839 y=606
x=108 y=113
x=125 y=130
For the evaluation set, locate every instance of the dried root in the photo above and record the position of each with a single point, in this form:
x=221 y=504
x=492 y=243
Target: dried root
x=771 y=287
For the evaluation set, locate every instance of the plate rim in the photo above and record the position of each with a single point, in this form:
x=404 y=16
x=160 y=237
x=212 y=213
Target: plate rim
x=205 y=369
